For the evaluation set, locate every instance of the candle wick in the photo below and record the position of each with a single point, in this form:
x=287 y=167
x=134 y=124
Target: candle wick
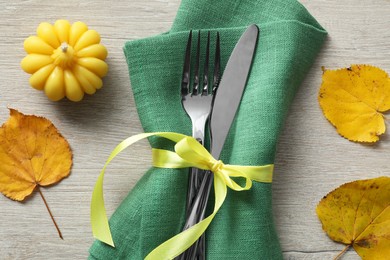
x=64 y=47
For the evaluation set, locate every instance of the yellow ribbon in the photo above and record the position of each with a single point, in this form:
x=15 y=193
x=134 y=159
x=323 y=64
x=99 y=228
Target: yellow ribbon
x=188 y=153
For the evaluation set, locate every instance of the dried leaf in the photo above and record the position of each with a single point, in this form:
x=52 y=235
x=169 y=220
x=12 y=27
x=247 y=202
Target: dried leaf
x=32 y=153
x=358 y=214
x=353 y=100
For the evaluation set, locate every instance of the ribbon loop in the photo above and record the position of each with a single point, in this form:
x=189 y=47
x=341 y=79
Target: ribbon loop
x=227 y=173
x=188 y=153
x=190 y=150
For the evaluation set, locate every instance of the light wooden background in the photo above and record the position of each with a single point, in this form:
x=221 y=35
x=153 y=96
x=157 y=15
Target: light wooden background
x=311 y=160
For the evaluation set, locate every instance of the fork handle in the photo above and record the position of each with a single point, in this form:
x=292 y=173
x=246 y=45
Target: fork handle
x=200 y=245
x=194 y=180
x=195 y=214
x=191 y=189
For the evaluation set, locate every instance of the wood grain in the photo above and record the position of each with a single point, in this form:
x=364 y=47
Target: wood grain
x=311 y=160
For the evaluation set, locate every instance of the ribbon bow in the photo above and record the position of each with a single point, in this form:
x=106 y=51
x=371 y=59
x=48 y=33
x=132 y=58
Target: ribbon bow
x=188 y=153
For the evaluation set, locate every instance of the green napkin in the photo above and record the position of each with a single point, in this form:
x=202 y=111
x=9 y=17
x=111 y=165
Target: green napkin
x=153 y=212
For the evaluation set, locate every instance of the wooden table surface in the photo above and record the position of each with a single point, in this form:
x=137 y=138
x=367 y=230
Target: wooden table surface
x=312 y=159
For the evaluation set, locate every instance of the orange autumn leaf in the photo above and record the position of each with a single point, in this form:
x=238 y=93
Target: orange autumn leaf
x=32 y=154
x=354 y=99
x=358 y=214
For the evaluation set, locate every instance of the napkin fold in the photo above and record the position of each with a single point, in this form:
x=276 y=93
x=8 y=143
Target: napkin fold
x=154 y=210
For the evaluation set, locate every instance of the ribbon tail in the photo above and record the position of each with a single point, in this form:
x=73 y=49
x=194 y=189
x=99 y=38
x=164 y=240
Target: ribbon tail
x=99 y=220
x=179 y=243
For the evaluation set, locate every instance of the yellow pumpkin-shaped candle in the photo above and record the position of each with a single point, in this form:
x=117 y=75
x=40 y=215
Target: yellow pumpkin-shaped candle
x=65 y=60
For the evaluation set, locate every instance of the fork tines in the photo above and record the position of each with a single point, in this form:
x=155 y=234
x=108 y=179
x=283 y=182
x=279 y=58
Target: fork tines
x=196 y=82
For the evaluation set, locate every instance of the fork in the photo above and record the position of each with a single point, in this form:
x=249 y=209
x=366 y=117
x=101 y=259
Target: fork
x=197 y=103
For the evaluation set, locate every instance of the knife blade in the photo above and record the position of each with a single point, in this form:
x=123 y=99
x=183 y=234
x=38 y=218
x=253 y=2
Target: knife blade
x=226 y=102
x=230 y=89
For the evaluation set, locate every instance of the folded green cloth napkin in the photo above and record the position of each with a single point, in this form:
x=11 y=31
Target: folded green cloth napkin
x=154 y=210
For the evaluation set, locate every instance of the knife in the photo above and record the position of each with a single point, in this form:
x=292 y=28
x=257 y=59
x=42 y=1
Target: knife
x=226 y=102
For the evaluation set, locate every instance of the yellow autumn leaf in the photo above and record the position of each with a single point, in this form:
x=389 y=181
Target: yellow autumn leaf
x=32 y=153
x=354 y=99
x=358 y=214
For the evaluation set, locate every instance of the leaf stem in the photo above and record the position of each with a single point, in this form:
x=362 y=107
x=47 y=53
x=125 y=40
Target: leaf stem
x=342 y=252
x=51 y=215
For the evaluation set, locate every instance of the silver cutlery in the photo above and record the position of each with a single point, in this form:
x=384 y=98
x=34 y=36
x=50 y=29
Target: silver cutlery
x=226 y=102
